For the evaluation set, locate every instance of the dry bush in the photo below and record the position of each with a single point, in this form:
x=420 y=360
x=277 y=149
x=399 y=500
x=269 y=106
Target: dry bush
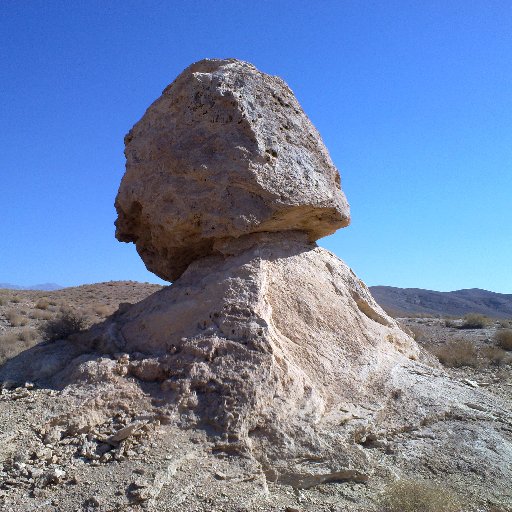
x=3 y=301
x=449 y=322
x=495 y=356
x=37 y=314
x=102 y=310
x=16 y=319
x=15 y=299
x=504 y=339
x=42 y=304
x=418 y=496
x=417 y=333
x=475 y=321
x=456 y=353
x=27 y=335
x=505 y=324
x=63 y=326
x=11 y=346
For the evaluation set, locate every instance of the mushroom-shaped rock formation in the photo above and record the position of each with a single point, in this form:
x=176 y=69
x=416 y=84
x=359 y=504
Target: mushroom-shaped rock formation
x=225 y=151
x=266 y=344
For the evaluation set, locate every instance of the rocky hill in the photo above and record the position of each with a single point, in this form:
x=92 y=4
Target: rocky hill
x=414 y=301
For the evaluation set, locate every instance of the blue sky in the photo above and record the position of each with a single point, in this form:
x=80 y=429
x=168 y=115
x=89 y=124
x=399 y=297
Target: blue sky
x=413 y=100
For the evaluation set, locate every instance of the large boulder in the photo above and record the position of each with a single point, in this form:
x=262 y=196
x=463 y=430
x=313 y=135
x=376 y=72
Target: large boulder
x=225 y=151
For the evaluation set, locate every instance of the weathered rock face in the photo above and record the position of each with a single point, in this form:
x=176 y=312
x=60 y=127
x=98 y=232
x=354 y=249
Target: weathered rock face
x=225 y=151
x=268 y=333
x=270 y=330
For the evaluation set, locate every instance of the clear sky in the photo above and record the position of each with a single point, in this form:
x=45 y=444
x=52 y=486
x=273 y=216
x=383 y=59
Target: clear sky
x=412 y=98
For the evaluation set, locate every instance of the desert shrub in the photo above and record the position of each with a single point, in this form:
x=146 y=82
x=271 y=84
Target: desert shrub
x=11 y=345
x=27 y=335
x=449 y=322
x=495 y=356
x=15 y=319
x=63 y=326
x=15 y=299
x=475 y=321
x=504 y=339
x=3 y=301
x=42 y=304
x=505 y=324
x=417 y=333
x=38 y=314
x=418 y=496
x=456 y=353
x=102 y=310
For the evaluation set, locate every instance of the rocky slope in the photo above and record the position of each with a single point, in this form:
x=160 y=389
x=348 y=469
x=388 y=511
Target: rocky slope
x=413 y=301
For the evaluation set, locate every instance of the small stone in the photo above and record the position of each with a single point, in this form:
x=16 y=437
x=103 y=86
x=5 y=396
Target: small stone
x=52 y=477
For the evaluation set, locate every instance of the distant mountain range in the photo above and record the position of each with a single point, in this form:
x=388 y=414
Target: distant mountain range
x=48 y=287
x=407 y=301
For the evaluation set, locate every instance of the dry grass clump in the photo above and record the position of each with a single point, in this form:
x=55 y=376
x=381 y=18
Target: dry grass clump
x=13 y=343
x=102 y=310
x=496 y=356
x=418 y=496
x=27 y=335
x=38 y=314
x=63 y=326
x=42 y=304
x=417 y=333
x=15 y=319
x=475 y=321
x=504 y=339
x=15 y=299
x=457 y=353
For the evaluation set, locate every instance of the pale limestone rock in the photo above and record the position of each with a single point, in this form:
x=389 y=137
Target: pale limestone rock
x=225 y=151
x=267 y=331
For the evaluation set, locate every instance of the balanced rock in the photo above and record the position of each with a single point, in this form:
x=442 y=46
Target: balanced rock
x=266 y=344
x=225 y=151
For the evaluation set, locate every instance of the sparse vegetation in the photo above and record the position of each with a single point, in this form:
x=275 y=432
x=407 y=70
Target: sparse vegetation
x=12 y=344
x=42 y=304
x=417 y=333
x=15 y=319
x=495 y=356
x=63 y=326
x=37 y=314
x=102 y=310
x=475 y=321
x=503 y=339
x=456 y=353
x=27 y=335
x=418 y=496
